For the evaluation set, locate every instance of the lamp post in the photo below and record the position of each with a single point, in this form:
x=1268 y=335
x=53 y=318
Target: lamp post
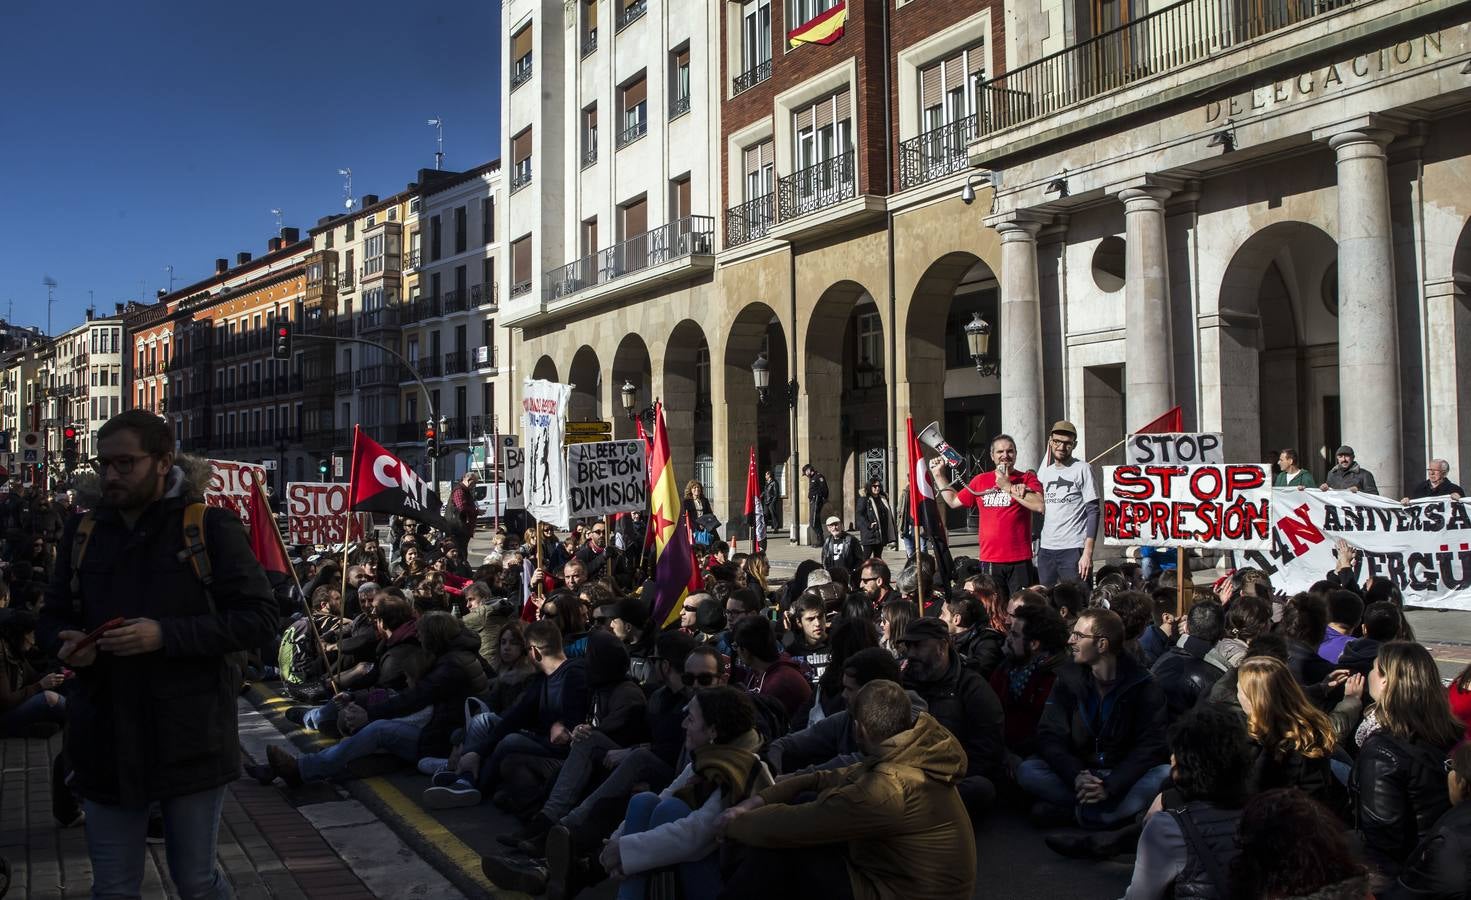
x=978 y=339
x=628 y=396
x=761 y=374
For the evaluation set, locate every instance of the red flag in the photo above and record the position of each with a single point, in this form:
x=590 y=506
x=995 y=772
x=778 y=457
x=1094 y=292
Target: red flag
x=915 y=455
x=381 y=482
x=265 y=537
x=1169 y=423
x=751 y=490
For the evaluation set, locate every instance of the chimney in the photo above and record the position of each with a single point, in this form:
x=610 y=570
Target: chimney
x=369 y=200
x=242 y=258
x=222 y=266
x=290 y=235
x=273 y=244
x=90 y=313
x=119 y=308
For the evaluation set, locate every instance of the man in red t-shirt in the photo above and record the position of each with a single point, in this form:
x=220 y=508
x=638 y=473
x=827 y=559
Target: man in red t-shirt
x=1005 y=502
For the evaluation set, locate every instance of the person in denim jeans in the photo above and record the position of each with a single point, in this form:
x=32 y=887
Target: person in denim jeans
x=1101 y=749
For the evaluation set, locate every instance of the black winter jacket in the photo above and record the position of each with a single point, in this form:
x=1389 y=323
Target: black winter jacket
x=453 y=676
x=964 y=703
x=1123 y=731
x=1305 y=663
x=1399 y=792
x=616 y=703
x=161 y=724
x=1216 y=827
x=1313 y=777
x=875 y=520
x=1184 y=675
x=981 y=647
x=1440 y=867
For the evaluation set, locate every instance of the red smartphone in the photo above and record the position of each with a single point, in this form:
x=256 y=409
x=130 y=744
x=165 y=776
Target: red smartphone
x=102 y=629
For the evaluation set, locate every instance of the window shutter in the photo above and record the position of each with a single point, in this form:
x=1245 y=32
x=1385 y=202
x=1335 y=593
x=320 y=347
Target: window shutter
x=975 y=61
x=753 y=159
x=768 y=154
x=842 y=106
x=954 y=72
x=804 y=119
x=521 y=43
x=520 y=147
x=521 y=259
x=635 y=219
x=682 y=199
x=682 y=59
x=929 y=87
x=634 y=94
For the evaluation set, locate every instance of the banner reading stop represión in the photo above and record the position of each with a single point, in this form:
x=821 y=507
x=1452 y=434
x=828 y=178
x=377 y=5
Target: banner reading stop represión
x=230 y=484
x=317 y=514
x=1423 y=547
x=1220 y=506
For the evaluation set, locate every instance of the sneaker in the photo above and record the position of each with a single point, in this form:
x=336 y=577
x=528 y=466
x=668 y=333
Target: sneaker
x=296 y=715
x=432 y=764
x=284 y=765
x=461 y=793
x=155 y=828
x=529 y=876
x=444 y=778
x=531 y=831
x=567 y=874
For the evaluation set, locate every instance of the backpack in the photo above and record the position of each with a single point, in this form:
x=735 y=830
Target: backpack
x=297 y=656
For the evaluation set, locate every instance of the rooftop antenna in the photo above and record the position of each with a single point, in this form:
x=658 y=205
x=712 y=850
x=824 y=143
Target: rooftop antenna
x=277 y=213
x=438 y=124
x=50 y=285
x=170 y=270
x=347 y=188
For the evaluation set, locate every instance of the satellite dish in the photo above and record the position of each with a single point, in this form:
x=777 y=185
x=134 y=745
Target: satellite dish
x=348 y=203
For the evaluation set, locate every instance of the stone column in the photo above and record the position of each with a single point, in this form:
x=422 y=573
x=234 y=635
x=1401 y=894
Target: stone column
x=1149 y=358
x=1019 y=339
x=1368 y=333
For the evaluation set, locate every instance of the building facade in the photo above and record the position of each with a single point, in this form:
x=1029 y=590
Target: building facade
x=1257 y=212
x=87 y=379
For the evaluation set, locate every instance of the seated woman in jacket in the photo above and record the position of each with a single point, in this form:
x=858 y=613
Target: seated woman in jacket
x=677 y=826
x=1292 y=741
x=1438 y=868
x=26 y=699
x=1399 y=776
x=411 y=724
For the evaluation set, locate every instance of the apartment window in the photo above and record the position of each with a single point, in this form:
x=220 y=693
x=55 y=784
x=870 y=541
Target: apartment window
x=869 y=354
x=393 y=213
x=590 y=135
x=800 y=12
x=760 y=165
x=414 y=206
x=521 y=266
x=633 y=98
x=460 y=229
x=351 y=229
x=679 y=81
x=331 y=242
x=755 y=40
x=590 y=236
x=631 y=11
x=373 y=255
x=521 y=57
x=487 y=220
x=520 y=161
x=948 y=88
x=824 y=130
x=415 y=241
x=487 y=277
x=679 y=198
x=589 y=26
x=634 y=217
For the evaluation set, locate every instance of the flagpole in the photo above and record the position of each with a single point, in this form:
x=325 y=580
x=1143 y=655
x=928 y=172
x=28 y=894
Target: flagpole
x=352 y=458
x=494 y=465
x=306 y=602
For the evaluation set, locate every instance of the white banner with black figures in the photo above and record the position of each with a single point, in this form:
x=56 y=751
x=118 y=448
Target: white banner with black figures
x=544 y=423
x=1424 y=547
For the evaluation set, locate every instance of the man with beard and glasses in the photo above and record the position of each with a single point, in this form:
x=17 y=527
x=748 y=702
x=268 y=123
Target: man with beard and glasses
x=154 y=718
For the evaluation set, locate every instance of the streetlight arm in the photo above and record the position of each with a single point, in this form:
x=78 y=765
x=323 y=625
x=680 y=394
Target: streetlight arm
x=428 y=398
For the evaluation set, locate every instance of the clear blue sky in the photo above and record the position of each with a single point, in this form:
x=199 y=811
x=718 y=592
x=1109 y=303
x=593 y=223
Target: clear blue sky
x=142 y=134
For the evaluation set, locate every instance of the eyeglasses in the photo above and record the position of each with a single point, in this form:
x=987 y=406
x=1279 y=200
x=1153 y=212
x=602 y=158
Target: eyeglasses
x=599 y=531
x=123 y=464
x=1062 y=442
x=869 y=578
x=704 y=679
x=1082 y=636
x=690 y=609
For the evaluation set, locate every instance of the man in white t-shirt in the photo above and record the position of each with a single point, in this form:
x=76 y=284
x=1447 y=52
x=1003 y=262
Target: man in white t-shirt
x=1071 y=520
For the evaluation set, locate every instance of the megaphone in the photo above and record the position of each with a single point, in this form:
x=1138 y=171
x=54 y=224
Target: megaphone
x=932 y=438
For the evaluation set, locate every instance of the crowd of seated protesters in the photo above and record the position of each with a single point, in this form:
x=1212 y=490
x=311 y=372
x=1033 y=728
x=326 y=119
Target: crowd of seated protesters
x=840 y=733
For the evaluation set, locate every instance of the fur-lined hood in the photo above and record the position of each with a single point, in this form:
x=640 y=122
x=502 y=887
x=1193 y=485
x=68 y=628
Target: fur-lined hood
x=188 y=478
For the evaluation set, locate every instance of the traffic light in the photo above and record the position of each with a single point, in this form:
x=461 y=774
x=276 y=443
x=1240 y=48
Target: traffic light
x=281 y=348
x=431 y=441
x=322 y=468
x=69 y=446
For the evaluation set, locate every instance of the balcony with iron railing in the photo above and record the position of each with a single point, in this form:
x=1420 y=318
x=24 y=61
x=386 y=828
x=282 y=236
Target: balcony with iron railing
x=345 y=282
x=455 y=300
x=521 y=175
x=342 y=382
x=680 y=239
x=484 y=358
x=590 y=42
x=411 y=260
x=630 y=14
x=750 y=220
x=378 y=375
x=936 y=153
x=679 y=106
x=384 y=317
x=750 y=78
x=590 y=155
x=817 y=187
x=1177 y=36
x=635 y=130
x=343 y=326
x=521 y=71
x=427 y=367
x=455 y=362
x=484 y=295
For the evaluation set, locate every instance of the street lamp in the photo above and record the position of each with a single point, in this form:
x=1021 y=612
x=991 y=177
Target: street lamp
x=628 y=396
x=978 y=339
x=761 y=374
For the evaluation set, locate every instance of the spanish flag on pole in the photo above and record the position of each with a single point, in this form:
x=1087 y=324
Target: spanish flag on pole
x=825 y=28
x=675 y=572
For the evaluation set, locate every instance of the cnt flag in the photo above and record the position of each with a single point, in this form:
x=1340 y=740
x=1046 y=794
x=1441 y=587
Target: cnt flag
x=381 y=482
x=675 y=572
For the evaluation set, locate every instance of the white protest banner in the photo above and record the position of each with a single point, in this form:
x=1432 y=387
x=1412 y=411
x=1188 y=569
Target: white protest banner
x=544 y=421
x=513 y=470
x=1187 y=448
x=607 y=477
x=1423 y=547
x=316 y=513
x=1218 y=507
x=230 y=484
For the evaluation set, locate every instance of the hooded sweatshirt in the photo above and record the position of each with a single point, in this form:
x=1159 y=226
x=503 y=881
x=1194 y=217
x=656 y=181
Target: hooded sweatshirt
x=616 y=702
x=907 y=830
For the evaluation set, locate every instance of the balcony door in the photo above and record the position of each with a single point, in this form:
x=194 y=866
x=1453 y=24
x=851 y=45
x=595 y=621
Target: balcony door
x=755 y=34
x=633 y=250
x=949 y=93
x=823 y=158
